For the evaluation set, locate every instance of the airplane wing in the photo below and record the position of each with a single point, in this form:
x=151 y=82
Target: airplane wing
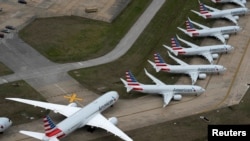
x=57 y=108
x=187 y=43
x=231 y=18
x=167 y=96
x=239 y=3
x=197 y=24
x=100 y=121
x=178 y=60
x=194 y=76
x=208 y=56
x=211 y=8
x=156 y=81
x=220 y=37
x=39 y=136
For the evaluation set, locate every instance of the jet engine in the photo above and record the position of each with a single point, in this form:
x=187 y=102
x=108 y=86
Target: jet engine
x=215 y=56
x=202 y=76
x=236 y=17
x=226 y=36
x=113 y=120
x=177 y=97
x=73 y=104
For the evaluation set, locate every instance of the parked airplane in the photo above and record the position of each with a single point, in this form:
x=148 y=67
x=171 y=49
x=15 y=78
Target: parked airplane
x=167 y=91
x=76 y=118
x=209 y=52
x=5 y=123
x=230 y=14
x=220 y=33
x=194 y=71
x=241 y=3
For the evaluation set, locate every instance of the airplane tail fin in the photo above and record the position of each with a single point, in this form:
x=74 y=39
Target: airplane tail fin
x=203 y=9
x=159 y=63
x=189 y=26
x=131 y=83
x=51 y=129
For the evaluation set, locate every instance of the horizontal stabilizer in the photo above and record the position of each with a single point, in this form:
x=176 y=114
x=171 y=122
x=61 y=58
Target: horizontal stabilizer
x=154 y=66
x=198 y=13
x=36 y=135
x=129 y=88
x=171 y=50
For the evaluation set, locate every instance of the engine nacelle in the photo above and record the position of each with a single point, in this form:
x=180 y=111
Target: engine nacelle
x=226 y=36
x=236 y=17
x=215 y=56
x=177 y=97
x=73 y=104
x=113 y=120
x=202 y=76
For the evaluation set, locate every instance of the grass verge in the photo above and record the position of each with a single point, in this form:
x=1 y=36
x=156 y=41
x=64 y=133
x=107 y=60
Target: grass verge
x=70 y=39
x=160 y=30
x=4 y=70
x=20 y=113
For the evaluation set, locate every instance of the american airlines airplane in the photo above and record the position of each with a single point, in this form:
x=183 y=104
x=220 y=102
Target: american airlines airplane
x=5 y=123
x=241 y=3
x=208 y=12
x=194 y=71
x=209 y=52
x=168 y=92
x=76 y=118
x=221 y=33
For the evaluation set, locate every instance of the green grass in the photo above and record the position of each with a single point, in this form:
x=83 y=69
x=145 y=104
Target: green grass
x=19 y=113
x=191 y=128
x=4 y=70
x=70 y=39
x=159 y=31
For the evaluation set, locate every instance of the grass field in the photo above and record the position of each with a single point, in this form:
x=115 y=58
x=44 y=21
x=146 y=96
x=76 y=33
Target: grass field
x=4 y=70
x=191 y=128
x=159 y=31
x=20 y=113
x=68 y=39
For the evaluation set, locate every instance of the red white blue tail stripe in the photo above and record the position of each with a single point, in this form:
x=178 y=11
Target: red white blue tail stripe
x=160 y=63
x=131 y=79
x=203 y=9
x=176 y=46
x=51 y=129
x=175 y=43
x=159 y=60
x=189 y=26
x=132 y=82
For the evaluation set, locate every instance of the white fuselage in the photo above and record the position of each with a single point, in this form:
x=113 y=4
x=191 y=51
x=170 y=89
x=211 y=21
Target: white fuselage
x=5 y=123
x=176 y=89
x=216 y=30
x=80 y=118
x=222 y=13
x=200 y=50
x=195 y=68
x=239 y=2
